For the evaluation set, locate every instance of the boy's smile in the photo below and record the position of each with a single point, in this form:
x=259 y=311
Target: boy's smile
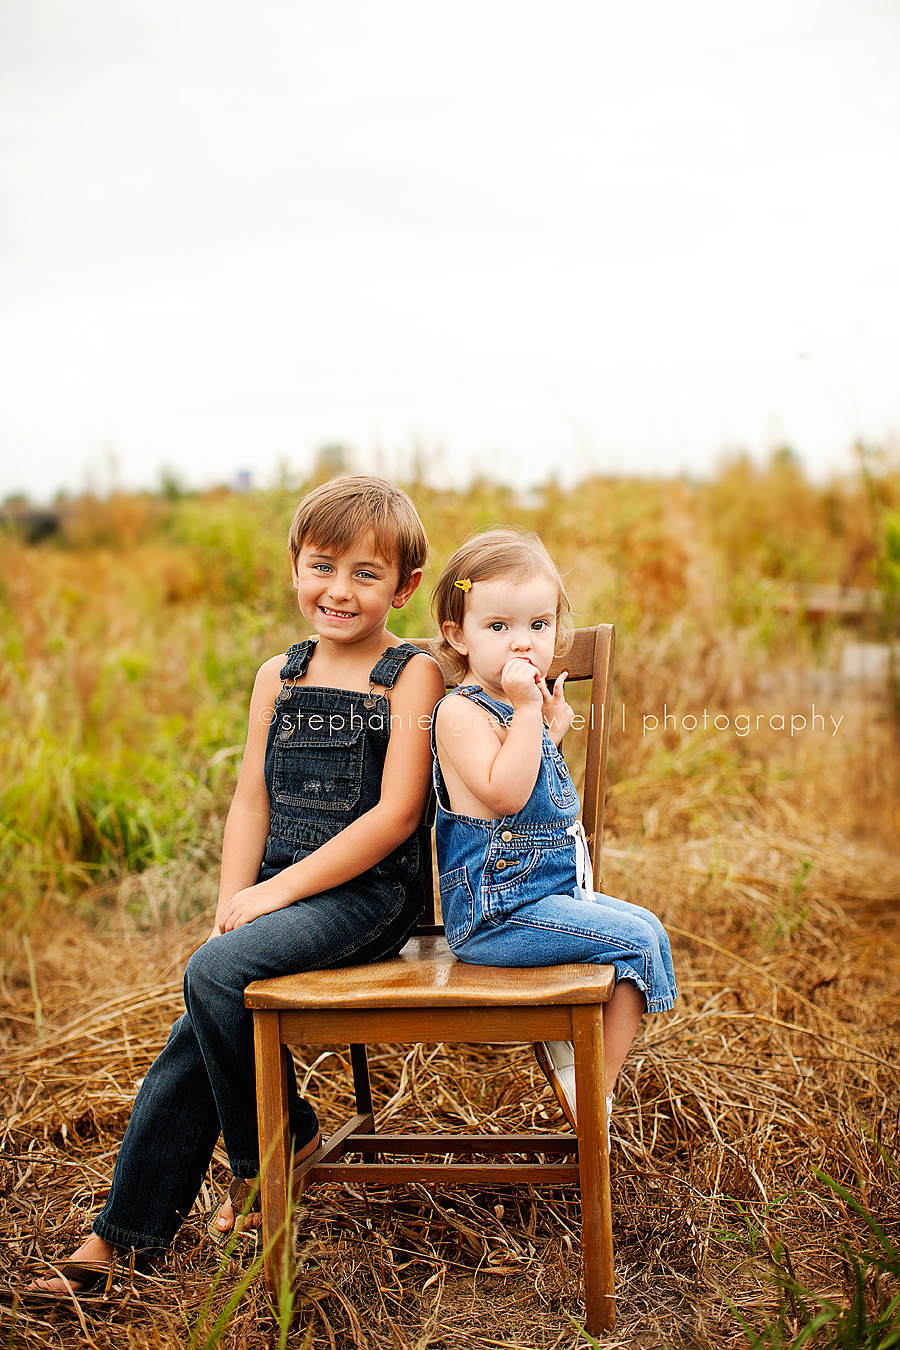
x=347 y=596
x=505 y=618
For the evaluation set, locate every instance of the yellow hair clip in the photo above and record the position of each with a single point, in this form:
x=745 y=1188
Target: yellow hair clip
x=464 y=584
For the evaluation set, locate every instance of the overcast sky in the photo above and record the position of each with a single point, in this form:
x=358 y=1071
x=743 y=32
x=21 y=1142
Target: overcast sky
x=522 y=238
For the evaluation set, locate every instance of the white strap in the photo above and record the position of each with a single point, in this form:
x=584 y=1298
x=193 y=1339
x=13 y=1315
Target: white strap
x=583 y=870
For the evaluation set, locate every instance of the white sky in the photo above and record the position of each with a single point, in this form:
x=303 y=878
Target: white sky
x=524 y=238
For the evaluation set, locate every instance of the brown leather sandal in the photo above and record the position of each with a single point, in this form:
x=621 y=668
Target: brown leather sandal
x=239 y=1193
x=94 y=1278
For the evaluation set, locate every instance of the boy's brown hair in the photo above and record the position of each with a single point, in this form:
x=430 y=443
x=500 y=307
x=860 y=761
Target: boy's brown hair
x=484 y=557
x=337 y=513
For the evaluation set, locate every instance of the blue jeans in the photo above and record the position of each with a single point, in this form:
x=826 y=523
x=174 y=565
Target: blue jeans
x=203 y=1081
x=558 y=929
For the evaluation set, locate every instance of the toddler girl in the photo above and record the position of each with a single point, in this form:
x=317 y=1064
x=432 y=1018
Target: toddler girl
x=516 y=884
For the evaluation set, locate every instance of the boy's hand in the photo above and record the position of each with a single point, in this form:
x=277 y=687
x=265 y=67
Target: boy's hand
x=520 y=682
x=556 y=712
x=247 y=905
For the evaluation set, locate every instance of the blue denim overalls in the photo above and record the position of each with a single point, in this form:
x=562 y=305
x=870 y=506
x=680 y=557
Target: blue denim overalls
x=518 y=891
x=324 y=760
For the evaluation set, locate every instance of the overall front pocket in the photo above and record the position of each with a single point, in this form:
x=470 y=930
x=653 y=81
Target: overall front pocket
x=457 y=905
x=559 y=780
x=318 y=764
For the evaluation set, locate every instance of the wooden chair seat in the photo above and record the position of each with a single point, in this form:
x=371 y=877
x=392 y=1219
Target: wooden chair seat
x=426 y=974
x=426 y=994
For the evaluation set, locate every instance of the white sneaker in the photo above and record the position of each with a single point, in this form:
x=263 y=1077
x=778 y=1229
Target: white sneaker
x=557 y=1059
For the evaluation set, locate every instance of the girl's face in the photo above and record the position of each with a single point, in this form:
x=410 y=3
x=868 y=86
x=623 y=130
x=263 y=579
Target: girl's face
x=504 y=618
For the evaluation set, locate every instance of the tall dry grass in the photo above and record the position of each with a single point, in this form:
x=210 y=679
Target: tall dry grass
x=129 y=644
x=127 y=654
x=779 y=1063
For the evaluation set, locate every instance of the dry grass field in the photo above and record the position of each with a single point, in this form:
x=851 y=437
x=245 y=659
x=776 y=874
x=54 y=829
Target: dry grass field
x=756 y=1127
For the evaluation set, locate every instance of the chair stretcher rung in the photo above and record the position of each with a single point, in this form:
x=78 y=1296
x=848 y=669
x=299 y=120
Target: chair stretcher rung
x=460 y=1143
x=448 y=1174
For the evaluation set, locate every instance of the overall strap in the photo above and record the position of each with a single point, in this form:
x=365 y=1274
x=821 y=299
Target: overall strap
x=437 y=778
x=390 y=664
x=501 y=712
x=298 y=659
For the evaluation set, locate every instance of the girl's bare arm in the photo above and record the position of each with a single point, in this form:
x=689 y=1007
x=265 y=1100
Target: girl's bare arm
x=498 y=767
x=365 y=841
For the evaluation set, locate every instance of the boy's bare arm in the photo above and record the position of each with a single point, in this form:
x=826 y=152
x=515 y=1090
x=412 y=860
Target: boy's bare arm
x=365 y=841
x=247 y=826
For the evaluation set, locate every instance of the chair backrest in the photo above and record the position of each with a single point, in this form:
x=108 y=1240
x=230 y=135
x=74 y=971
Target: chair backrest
x=590 y=657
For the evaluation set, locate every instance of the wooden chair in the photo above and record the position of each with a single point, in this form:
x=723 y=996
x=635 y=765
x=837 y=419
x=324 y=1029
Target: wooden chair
x=425 y=994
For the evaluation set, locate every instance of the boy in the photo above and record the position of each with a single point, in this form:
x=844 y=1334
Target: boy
x=320 y=861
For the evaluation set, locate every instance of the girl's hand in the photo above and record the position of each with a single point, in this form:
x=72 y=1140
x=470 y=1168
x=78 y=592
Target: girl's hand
x=520 y=682
x=556 y=712
x=247 y=905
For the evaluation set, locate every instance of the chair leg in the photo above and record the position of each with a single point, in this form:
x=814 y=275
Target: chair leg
x=593 y=1163
x=361 y=1086
x=274 y=1145
x=362 y=1089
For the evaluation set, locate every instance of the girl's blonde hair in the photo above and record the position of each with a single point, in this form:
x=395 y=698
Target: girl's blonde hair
x=484 y=557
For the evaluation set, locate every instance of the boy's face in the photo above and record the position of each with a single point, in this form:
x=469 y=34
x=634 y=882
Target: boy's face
x=346 y=597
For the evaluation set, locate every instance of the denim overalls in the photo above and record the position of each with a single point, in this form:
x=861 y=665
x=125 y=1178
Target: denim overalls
x=324 y=760
x=518 y=891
